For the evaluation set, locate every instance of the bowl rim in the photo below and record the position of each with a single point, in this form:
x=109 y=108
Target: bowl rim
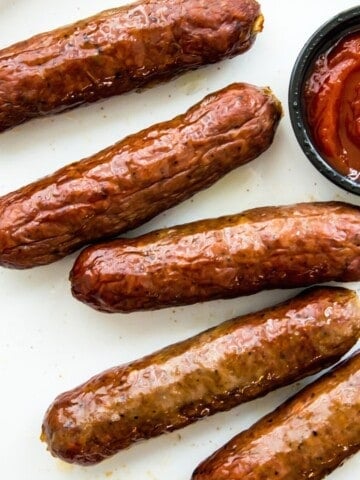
x=311 y=49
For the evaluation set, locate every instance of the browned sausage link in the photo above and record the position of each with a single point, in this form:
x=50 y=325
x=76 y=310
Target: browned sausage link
x=119 y=50
x=214 y=371
x=307 y=437
x=263 y=248
x=134 y=180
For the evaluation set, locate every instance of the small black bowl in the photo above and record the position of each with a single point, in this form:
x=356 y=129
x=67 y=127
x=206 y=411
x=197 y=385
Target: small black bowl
x=320 y=42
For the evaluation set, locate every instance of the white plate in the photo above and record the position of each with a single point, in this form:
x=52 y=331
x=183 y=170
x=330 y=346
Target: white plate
x=49 y=342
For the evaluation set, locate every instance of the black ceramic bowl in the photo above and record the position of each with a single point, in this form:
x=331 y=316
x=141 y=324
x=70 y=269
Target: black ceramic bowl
x=320 y=42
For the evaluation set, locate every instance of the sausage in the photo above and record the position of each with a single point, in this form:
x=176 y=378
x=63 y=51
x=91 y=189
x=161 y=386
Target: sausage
x=260 y=249
x=119 y=50
x=125 y=185
x=307 y=437
x=235 y=362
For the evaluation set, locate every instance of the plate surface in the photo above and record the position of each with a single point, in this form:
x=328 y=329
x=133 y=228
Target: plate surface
x=50 y=343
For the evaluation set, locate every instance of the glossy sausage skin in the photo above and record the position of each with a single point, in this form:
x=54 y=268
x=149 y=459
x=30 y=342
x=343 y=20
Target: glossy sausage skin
x=119 y=50
x=260 y=249
x=235 y=362
x=306 y=438
x=137 y=178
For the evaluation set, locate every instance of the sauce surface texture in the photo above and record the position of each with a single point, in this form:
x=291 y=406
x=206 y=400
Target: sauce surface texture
x=332 y=96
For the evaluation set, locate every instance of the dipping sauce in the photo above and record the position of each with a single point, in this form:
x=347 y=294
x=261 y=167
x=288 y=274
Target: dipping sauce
x=332 y=97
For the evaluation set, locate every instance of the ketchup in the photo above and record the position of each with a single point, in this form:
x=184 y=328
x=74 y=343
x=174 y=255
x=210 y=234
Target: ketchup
x=332 y=96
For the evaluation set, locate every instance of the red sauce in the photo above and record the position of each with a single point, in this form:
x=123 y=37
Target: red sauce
x=332 y=96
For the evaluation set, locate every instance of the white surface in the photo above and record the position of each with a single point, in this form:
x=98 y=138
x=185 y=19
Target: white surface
x=49 y=342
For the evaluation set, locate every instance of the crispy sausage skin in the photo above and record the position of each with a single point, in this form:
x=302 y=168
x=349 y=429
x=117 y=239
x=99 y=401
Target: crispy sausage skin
x=307 y=437
x=126 y=184
x=263 y=248
x=235 y=362
x=119 y=50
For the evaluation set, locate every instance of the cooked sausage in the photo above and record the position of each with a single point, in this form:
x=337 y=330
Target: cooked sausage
x=137 y=178
x=306 y=438
x=119 y=50
x=235 y=362
x=263 y=248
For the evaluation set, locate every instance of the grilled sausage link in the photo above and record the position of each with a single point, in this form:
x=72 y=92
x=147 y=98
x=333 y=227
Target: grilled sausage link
x=137 y=178
x=263 y=248
x=235 y=362
x=119 y=50
x=307 y=437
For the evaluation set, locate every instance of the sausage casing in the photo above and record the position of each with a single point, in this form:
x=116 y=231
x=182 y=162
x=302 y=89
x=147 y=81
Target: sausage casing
x=126 y=184
x=235 y=362
x=307 y=437
x=119 y=50
x=263 y=248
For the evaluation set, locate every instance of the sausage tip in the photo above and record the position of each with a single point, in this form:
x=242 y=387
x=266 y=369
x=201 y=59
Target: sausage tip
x=258 y=24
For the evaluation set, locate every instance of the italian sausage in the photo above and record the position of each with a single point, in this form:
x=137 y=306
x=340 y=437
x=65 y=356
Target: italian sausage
x=119 y=50
x=260 y=249
x=306 y=438
x=235 y=362
x=127 y=184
